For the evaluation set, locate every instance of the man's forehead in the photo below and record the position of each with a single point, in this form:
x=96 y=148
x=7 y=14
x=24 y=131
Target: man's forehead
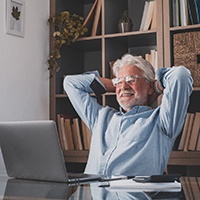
x=129 y=70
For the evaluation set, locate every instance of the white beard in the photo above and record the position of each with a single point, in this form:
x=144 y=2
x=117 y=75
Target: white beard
x=127 y=99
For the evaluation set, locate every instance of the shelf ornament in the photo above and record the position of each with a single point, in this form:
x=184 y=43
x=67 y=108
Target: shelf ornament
x=68 y=28
x=125 y=23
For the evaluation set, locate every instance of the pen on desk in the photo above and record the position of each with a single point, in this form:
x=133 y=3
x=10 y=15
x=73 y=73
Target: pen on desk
x=105 y=182
x=116 y=178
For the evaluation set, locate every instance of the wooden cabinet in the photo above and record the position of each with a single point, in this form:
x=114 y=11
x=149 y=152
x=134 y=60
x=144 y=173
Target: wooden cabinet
x=95 y=52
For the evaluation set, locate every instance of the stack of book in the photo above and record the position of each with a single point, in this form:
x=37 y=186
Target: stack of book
x=148 y=20
x=73 y=133
x=190 y=137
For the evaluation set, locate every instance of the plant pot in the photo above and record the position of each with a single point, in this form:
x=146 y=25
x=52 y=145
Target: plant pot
x=125 y=27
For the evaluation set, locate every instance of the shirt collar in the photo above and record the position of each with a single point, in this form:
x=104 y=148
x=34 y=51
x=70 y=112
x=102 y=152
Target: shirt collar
x=135 y=109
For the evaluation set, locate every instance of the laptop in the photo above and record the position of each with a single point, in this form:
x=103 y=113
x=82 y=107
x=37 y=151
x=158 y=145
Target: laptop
x=32 y=150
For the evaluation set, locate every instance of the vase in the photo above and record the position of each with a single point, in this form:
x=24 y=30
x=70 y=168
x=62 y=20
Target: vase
x=125 y=27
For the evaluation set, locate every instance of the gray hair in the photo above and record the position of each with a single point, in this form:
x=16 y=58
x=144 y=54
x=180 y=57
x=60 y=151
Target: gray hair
x=139 y=62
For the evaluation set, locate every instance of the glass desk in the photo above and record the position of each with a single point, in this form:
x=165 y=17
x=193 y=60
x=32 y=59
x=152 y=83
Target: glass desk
x=29 y=190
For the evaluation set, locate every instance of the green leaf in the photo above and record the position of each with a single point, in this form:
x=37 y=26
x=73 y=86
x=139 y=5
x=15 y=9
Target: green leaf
x=15 y=13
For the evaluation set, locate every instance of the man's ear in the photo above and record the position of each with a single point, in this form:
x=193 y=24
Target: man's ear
x=151 y=88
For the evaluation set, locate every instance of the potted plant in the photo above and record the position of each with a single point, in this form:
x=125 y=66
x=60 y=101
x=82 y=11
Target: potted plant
x=125 y=23
x=67 y=30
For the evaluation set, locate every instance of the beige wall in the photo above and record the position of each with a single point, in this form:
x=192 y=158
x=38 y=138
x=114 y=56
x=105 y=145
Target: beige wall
x=24 y=79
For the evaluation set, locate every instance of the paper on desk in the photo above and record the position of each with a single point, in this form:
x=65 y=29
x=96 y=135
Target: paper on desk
x=131 y=185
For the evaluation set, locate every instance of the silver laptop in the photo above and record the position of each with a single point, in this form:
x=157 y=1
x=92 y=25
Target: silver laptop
x=31 y=150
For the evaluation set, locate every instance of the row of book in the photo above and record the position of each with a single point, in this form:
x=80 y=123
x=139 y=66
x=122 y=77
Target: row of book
x=190 y=137
x=73 y=133
x=148 y=20
x=185 y=12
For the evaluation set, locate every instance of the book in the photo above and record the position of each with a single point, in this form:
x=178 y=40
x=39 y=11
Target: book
x=198 y=142
x=152 y=57
x=90 y=17
x=184 y=132
x=192 y=12
x=68 y=132
x=144 y=15
x=148 y=57
x=149 y=15
x=154 y=18
x=183 y=13
x=61 y=130
x=76 y=134
x=175 y=13
x=188 y=135
x=195 y=132
x=156 y=62
x=86 y=136
x=197 y=6
x=96 y=18
x=111 y=63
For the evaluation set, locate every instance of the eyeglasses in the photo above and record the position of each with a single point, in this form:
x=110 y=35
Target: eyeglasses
x=128 y=79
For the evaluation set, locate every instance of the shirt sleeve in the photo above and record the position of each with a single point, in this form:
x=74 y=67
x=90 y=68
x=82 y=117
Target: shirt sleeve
x=177 y=84
x=79 y=89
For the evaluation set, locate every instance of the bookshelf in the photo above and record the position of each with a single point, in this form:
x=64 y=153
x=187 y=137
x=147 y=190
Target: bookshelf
x=95 y=51
x=188 y=160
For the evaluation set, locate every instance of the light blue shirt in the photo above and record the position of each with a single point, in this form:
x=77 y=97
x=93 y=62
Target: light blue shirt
x=138 y=142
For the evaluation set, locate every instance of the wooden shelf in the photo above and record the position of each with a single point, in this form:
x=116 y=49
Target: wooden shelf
x=187 y=158
x=95 y=53
x=76 y=156
x=182 y=28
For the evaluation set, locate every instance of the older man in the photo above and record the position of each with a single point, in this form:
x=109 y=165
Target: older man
x=137 y=139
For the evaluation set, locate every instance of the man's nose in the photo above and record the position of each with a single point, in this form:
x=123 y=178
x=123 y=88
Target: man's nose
x=125 y=84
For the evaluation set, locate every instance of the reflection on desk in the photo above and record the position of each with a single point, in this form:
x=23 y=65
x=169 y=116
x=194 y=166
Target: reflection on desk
x=25 y=189
x=191 y=187
x=37 y=190
x=93 y=192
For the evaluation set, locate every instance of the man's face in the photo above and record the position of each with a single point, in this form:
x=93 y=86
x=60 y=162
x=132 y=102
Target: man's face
x=133 y=92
